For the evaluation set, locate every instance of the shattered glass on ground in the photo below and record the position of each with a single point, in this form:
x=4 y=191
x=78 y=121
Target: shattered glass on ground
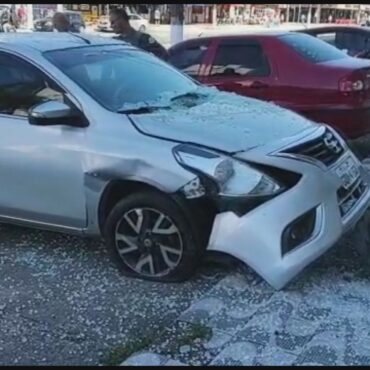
x=322 y=318
x=63 y=302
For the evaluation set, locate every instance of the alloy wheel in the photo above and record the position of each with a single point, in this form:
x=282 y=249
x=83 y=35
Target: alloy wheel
x=148 y=242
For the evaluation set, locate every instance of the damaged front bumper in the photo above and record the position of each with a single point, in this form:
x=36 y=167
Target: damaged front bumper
x=259 y=238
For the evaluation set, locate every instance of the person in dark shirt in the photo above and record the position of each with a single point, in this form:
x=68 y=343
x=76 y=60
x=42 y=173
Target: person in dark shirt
x=61 y=22
x=120 y=23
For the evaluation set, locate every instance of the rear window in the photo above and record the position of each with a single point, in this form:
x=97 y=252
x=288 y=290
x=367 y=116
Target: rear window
x=328 y=37
x=189 y=58
x=134 y=17
x=74 y=17
x=313 y=49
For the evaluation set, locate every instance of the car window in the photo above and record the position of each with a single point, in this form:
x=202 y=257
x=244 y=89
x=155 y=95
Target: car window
x=240 y=59
x=189 y=58
x=352 y=41
x=116 y=76
x=74 y=18
x=311 y=48
x=328 y=37
x=23 y=86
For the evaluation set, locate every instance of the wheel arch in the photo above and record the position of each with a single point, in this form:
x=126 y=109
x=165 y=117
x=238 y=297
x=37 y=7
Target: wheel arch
x=200 y=213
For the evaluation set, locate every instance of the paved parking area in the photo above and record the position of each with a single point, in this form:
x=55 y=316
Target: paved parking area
x=322 y=318
x=62 y=302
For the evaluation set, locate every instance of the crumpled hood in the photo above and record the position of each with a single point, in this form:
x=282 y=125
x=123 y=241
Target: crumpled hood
x=224 y=121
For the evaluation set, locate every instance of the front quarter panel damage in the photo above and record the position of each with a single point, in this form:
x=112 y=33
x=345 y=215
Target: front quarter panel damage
x=102 y=171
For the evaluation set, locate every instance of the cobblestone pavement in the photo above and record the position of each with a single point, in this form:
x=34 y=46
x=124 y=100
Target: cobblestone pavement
x=322 y=318
x=62 y=302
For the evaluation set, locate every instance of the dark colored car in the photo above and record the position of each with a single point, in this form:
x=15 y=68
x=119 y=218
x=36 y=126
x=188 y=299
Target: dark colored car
x=355 y=40
x=75 y=19
x=293 y=70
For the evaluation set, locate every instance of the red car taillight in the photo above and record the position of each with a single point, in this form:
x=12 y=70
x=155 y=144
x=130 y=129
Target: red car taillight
x=353 y=83
x=348 y=85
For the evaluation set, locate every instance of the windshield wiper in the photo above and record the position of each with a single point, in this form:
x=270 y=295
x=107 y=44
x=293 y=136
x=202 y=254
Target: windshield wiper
x=141 y=110
x=187 y=95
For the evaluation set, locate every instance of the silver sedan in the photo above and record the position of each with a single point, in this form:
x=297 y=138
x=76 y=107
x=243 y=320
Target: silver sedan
x=101 y=139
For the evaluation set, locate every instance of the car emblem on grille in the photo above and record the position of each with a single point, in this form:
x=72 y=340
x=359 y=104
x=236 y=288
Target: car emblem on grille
x=332 y=143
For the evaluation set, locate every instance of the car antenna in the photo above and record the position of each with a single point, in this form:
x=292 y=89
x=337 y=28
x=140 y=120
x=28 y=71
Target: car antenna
x=80 y=37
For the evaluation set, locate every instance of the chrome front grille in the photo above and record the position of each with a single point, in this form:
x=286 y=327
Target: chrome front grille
x=326 y=149
x=348 y=198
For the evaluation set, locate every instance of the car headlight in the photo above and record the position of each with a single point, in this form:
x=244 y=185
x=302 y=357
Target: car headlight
x=233 y=178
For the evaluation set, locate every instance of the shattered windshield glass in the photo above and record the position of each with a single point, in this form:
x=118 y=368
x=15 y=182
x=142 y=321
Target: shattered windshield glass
x=169 y=100
x=123 y=79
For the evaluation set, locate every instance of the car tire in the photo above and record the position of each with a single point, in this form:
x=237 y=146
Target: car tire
x=151 y=238
x=142 y=28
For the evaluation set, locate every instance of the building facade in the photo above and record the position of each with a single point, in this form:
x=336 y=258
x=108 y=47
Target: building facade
x=208 y=13
x=322 y=13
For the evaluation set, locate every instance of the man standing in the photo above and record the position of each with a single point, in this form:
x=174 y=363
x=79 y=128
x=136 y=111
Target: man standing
x=120 y=23
x=157 y=16
x=13 y=20
x=21 y=14
x=61 y=22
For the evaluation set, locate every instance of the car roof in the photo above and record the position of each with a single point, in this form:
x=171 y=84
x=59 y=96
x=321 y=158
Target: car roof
x=267 y=33
x=336 y=27
x=46 y=41
x=261 y=34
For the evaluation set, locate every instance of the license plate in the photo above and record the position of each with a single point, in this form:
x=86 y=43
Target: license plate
x=348 y=171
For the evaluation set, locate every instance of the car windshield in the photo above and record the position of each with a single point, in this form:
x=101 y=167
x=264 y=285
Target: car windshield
x=120 y=78
x=312 y=48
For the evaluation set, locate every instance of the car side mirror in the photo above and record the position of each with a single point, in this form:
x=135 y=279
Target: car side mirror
x=54 y=113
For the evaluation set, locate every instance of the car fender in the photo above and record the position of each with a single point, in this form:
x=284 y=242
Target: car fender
x=98 y=178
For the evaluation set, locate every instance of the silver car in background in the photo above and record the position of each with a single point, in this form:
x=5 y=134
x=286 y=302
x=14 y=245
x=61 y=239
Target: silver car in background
x=98 y=138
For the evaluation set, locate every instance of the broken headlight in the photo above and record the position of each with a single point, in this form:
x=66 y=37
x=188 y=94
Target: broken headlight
x=232 y=177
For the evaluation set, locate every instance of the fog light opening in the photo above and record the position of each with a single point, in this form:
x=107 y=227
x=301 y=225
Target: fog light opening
x=298 y=232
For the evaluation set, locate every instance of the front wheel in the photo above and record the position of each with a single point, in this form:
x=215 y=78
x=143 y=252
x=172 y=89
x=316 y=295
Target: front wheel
x=152 y=239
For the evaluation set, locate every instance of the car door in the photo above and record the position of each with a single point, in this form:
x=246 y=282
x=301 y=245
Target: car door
x=189 y=57
x=240 y=66
x=41 y=170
